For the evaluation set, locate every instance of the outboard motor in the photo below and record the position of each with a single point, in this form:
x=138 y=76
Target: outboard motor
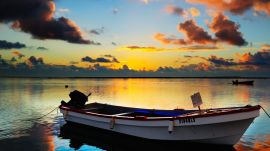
x=78 y=99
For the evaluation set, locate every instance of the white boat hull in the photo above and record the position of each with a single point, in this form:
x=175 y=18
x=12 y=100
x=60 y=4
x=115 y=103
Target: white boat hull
x=223 y=129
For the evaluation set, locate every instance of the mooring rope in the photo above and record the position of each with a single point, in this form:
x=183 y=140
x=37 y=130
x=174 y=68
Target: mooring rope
x=42 y=115
x=265 y=111
x=47 y=113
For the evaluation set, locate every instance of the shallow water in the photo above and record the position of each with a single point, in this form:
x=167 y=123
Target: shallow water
x=23 y=101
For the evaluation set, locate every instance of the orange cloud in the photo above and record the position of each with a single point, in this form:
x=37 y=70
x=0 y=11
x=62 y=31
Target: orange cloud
x=156 y=49
x=263 y=7
x=245 y=58
x=258 y=60
x=203 y=67
x=162 y=38
x=236 y=6
x=265 y=46
x=171 y=9
x=193 y=34
x=18 y=54
x=196 y=67
x=194 y=12
x=226 y=30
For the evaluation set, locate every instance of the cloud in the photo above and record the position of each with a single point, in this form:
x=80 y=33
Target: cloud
x=265 y=46
x=186 y=68
x=171 y=9
x=262 y=6
x=260 y=58
x=13 y=59
x=194 y=12
x=237 y=7
x=10 y=45
x=193 y=34
x=257 y=62
x=3 y=63
x=112 y=57
x=221 y=61
x=202 y=67
x=226 y=30
x=115 y=11
x=138 y=48
x=191 y=57
x=156 y=49
x=109 y=56
x=91 y=60
x=73 y=62
x=18 y=54
x=165 y=40
x=95 y=43
x=32 y=61
x=42 y=48
x=106 y=59
x=145 y=1
x=36 y=67
x=63 y=10
x=97 y=31
x=125 y=67
x=203 y=47
x=115 y=60
x=36 y=17
x=178 y=11
x=188 y=56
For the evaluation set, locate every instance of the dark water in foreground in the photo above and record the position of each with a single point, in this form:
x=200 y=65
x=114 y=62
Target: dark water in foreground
x=22 y=101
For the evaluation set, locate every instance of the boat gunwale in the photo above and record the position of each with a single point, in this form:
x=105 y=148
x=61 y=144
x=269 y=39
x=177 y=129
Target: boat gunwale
x=142 y=118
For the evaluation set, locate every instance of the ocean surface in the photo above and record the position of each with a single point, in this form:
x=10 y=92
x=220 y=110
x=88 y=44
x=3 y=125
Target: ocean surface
x=24 y=102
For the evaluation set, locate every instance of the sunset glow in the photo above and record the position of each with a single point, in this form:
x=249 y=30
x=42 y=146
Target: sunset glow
x=140 y=35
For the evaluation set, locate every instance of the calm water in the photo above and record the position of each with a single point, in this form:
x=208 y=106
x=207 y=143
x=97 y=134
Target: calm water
x=23 y=101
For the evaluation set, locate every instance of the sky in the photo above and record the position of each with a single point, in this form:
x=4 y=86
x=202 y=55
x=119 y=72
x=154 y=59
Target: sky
x=134 y=38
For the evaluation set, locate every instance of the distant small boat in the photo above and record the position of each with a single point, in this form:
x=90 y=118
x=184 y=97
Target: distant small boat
x=223 y=126
x=236 y=82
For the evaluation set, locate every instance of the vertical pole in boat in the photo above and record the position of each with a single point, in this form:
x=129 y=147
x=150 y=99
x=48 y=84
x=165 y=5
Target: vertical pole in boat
x=65 y=114
x=171 y=126
x=197 y=100
x=112 y=122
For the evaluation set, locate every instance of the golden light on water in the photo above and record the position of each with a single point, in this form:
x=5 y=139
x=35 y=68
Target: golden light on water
x=35 y=97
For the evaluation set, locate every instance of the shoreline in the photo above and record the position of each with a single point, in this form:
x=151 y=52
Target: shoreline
x=108 y=77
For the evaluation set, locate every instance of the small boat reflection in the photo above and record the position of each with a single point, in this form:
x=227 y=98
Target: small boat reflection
x=80 y=135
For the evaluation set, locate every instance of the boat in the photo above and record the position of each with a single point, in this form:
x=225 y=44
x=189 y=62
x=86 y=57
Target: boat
x=221 y=126
x=236 y=82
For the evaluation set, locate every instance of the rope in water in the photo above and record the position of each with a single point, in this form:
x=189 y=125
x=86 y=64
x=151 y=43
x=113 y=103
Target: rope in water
x=47 y=113
x=42 y=115
x=265 y=112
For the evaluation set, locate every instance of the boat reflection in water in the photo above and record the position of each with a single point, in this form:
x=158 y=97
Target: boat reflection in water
x=80 y=135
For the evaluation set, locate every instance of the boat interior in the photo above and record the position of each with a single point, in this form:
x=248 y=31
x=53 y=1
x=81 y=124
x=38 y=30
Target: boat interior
x=133 y=112
x=113 y=110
